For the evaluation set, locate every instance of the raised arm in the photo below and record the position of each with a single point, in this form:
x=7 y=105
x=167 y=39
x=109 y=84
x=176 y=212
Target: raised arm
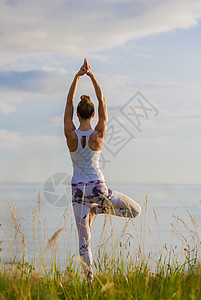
x=102 y=107
x=68 y=115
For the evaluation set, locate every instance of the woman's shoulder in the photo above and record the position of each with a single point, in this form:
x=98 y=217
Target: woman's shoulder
x=72 y=140
x=72 y=134
x=96 y=141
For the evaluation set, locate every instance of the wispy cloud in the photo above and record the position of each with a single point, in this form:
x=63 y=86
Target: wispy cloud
x=9 y=140
x=60 y=27
x=58 y=121
x=33 y=81
x=183 y=115
x=17 y=140
x=53 y=83
x=6 y=108
x=166 y=86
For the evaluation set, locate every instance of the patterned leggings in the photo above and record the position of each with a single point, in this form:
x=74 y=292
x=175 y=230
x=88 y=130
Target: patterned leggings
x=108 y=202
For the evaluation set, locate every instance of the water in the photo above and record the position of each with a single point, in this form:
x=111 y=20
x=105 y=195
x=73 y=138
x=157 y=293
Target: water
x=163 y=201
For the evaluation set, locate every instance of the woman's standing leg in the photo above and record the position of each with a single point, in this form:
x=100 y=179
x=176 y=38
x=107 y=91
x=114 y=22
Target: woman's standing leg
x=82 y=212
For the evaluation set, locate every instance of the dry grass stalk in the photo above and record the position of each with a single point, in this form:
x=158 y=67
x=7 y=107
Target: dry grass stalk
x=52 y=240
x=38 y=207
x=194 y=234
x=153 y=238
x=24 y=244
x=193 y=220
x=33 y=226
x=155 y=214
x=108 y=287
x=84 y=265
x=14 y=219
x=44 y=233
x=38 y=200
x=17 y=230
x=144 y=233
x=38 y=275
x=178 y=234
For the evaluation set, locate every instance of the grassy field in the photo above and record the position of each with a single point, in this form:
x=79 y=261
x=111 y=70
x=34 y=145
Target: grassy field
x=140 y=277
x=23 y=282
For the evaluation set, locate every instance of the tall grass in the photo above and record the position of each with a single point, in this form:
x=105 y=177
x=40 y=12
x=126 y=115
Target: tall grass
x=122 y=267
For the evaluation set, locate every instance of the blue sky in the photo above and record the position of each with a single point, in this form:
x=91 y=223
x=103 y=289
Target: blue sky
x=152 y=47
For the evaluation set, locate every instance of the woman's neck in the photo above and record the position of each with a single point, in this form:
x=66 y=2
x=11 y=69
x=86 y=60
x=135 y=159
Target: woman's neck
x=85 y=125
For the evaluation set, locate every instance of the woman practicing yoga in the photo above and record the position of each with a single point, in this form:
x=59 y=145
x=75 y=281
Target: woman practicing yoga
x=90 y=194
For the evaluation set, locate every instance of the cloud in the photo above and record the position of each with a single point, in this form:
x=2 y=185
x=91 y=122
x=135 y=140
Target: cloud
x=19 y=86
x=58 y=121
x=53 y=83
x=166 y=86
x=6 y=108
x=33 y=81
x=30 y=157
x=77 y=27
x=174 y=121
x=19 y=141
x=9 y=140
x=184 y=115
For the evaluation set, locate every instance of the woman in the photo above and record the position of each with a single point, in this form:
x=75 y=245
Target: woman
x=88 y=183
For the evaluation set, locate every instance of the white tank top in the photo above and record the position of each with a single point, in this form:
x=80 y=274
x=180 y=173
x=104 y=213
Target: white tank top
x=85 y=161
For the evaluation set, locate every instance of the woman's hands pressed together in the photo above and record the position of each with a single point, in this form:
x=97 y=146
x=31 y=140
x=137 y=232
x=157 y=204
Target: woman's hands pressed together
x=85 y=69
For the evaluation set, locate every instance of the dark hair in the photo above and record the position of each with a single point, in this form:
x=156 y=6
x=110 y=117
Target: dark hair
x=85 y=107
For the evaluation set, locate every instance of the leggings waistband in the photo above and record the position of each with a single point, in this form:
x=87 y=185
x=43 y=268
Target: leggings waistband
x=92 y=182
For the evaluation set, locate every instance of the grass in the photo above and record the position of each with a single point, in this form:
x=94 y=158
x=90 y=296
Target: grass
x=23 y=282
x=171 y=274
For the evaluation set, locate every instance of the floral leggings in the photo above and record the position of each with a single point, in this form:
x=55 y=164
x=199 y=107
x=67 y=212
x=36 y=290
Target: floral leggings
x=107 y=201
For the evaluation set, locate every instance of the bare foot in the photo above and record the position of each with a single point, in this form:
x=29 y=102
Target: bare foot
x=92 y=214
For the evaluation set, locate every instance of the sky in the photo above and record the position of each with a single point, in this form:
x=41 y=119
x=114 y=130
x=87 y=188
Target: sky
x=146 y=55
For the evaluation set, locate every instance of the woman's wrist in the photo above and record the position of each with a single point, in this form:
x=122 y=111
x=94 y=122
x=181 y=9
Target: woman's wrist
x=77 y=76
x=90 y=74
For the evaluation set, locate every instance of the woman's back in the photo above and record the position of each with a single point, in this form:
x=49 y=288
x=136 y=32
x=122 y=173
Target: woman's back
x=85 y=161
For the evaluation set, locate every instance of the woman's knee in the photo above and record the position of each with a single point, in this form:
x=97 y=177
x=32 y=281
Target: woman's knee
x=132 y=205
x=138 y=210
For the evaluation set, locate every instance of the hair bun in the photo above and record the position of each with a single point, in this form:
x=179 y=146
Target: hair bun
x=85 y=107
x=85 y=98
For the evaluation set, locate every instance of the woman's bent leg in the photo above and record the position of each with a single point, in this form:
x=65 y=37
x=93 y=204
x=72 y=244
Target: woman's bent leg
x=116 y=203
